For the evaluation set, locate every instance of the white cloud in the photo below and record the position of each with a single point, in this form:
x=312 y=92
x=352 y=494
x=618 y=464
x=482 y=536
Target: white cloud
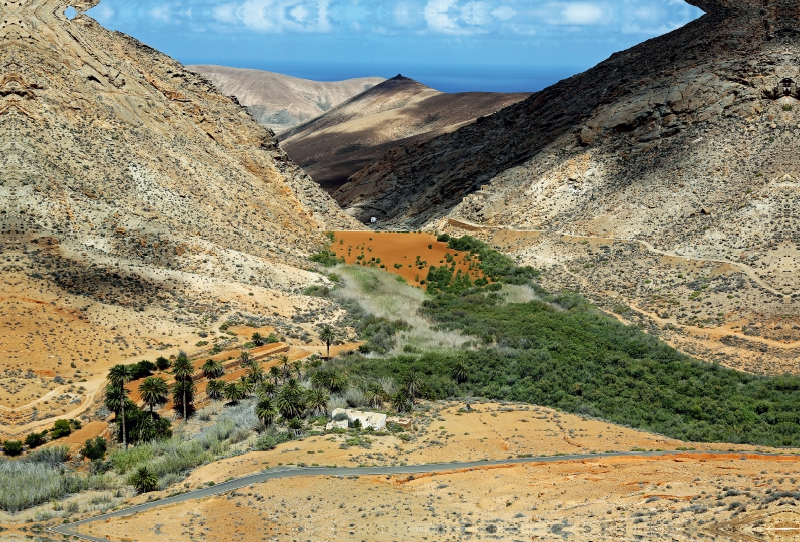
x=436 y=15
x=582 y=13
x=275 y=16
x=476 y=13
x=504 y=13
x=501 y=18
x=225 y=14
x=162 y=13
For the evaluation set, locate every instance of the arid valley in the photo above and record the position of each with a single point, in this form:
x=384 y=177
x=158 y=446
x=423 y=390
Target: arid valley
x=241 y=305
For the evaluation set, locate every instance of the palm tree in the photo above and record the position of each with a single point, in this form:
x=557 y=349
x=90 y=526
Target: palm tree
x=266 y=411
x=153 y=390
x=401 y=403
x=375 y=395
x=183 y=370
x=275 y=374
x=255 y=374
x=290 y=400
x=246 y=385
x=244 y=356
x=258 y=339
x=333 y=380
x=413 y=385
x=144 y=480
x=213 y=369
x=297 y=365
x=327 y=336
x=114 y=397
x=233 y=393
x=214 y=389
x=119 y=375
x=183 y=395
x=318 y=401
x=460 y=372
x=266 y=389
x=285 y=366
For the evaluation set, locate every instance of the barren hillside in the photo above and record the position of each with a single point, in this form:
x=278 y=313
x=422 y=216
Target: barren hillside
x=397 y=112
x=662 y=183
x=281 y=102
x=137 y=205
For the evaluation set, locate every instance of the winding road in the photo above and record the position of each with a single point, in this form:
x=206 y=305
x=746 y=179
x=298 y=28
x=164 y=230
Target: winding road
x=70 y=529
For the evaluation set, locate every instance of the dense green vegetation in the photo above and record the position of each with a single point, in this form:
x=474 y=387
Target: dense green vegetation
x=559 y=351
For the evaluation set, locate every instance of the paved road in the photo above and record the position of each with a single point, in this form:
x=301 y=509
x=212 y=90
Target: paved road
x=69 y=529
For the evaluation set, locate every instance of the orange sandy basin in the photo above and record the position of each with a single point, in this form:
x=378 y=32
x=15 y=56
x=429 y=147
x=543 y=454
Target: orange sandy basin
x=405 y=254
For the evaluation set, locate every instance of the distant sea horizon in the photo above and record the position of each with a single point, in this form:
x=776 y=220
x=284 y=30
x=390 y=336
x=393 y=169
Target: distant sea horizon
x=448 y=78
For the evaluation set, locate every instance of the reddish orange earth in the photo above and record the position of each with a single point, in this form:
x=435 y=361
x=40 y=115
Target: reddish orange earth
x=409 y=255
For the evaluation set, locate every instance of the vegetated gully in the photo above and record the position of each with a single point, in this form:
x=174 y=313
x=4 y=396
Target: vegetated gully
x=69 y=529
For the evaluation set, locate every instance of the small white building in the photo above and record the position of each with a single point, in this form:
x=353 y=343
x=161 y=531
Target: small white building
x=374 y=420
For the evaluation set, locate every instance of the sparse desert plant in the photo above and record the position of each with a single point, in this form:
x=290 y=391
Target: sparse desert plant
x=271 y=440
x=144 y=480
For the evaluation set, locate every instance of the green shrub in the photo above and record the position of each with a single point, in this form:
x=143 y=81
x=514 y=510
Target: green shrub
x=95 y=449
x=34 y=440
x=144 y=480
x=326 y=258
x=61 y=428
x=13 y=448
x=269 y=442
x=162 y=363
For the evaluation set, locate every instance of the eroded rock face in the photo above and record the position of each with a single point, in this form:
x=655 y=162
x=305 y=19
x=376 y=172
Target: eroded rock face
x=102 y=134
x=682 y=149
x=133 y=197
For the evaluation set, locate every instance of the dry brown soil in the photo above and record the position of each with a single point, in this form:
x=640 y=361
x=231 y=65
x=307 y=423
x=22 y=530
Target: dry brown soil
x=414 y=253
x=596 y=499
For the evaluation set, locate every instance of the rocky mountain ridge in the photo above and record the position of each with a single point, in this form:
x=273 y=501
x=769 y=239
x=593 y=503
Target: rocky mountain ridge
x=679 y=149
x=279 y=101
x=398 y=111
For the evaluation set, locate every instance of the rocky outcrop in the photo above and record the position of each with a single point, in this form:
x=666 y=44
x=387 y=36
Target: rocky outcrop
x=399 y=111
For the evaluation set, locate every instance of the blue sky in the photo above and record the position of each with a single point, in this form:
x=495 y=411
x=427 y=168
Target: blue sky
x=452 y=45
